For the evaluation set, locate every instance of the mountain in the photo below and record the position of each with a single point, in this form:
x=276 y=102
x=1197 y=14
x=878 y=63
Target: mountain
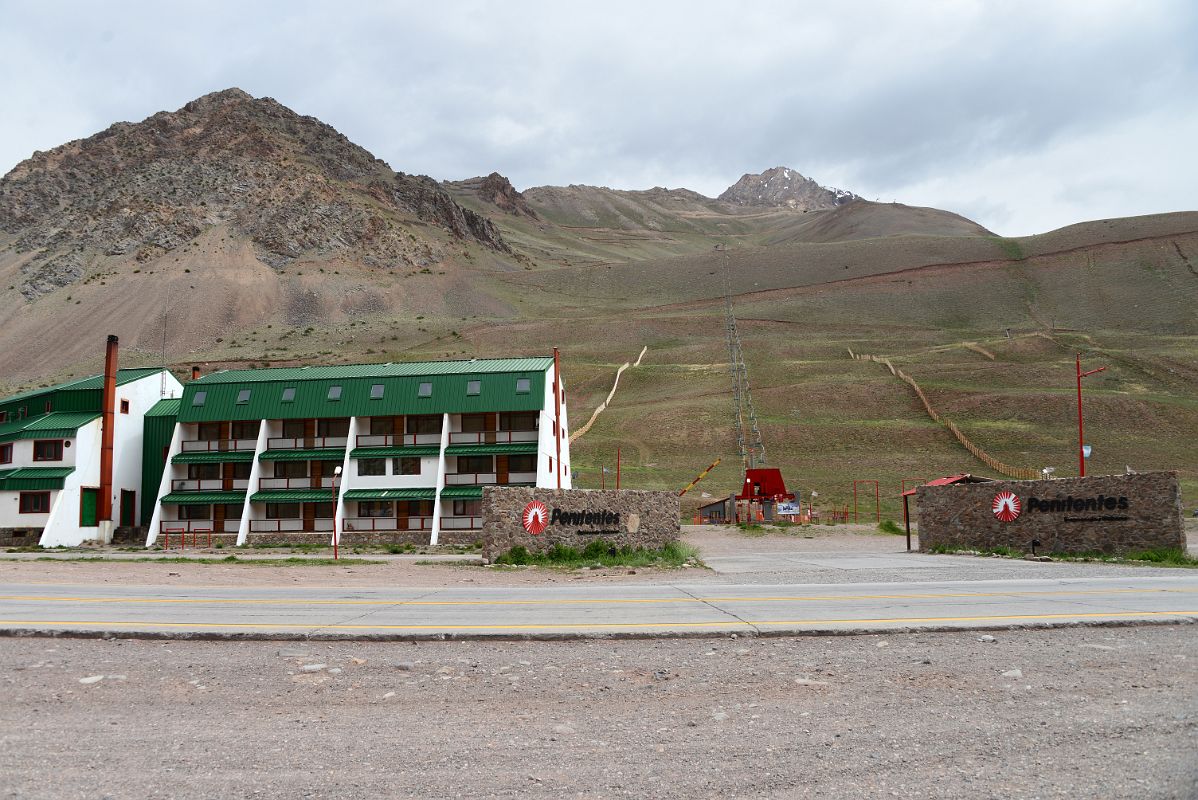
x=289 y=184
x=785 y=188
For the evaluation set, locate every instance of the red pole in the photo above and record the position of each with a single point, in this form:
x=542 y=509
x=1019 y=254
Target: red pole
x=1081 y=442
x=854 y=502
x=617 y=469
x=878 y=501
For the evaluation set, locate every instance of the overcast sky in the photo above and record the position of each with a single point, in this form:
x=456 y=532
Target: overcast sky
x=1024 y=116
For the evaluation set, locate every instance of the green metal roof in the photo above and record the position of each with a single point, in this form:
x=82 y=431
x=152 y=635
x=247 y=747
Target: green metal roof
x=463 y=492
x=33 y=478
x=402 y=370
x=326 y=454
x=390 y=494
x=223 y=457
x=56 y=425
x=165 y=408
x=293 y=496
x=123 y=376
x=449 y=380
x=203 y=498
x=387 y=452
x=514 y=448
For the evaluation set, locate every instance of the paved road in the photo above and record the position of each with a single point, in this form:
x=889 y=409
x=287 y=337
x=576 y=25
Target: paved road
x=593 y=610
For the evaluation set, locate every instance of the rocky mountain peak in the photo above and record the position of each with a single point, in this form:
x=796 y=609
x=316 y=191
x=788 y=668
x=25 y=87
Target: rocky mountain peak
x=292 y=185
x=782 y=187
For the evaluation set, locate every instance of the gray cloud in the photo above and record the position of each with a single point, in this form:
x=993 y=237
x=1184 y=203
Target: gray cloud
x=1023 y=115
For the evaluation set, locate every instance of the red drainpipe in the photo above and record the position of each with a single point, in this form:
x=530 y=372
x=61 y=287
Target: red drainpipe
x=107 y=421
x=557 y=412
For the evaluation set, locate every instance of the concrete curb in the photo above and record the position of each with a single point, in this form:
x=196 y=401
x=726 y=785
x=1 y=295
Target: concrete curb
x=571 y=636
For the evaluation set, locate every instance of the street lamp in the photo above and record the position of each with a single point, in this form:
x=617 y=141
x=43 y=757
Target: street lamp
x=1081 y=446
x=336 y=477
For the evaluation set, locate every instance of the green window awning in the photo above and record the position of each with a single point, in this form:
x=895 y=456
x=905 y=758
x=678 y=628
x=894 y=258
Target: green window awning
x=390 y=494
x=55 y=425
x=226 y=457
x=33 y=478
x=325 y=454
x=294 y=496
x=463 y=492
x=514 y=448
x=203 y=498
x=393 y=452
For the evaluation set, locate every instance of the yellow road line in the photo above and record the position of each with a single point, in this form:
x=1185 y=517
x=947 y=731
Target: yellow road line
x=582 y=601
x=597 y=625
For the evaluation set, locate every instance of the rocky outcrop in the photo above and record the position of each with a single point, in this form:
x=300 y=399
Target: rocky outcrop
x=498 y=191
x=289 y=183
x=781 y=187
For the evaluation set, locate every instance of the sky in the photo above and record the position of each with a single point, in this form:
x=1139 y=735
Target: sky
x=1023 y=116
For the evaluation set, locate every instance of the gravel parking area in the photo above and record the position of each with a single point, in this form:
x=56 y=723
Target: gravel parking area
x=1095 y=712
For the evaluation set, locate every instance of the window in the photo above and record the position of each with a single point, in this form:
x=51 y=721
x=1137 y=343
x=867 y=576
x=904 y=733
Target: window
x=195 y=512
x=294 y=428
x=124 y=406
x=243 y=397
x=233 y=510
x=288 y=395
x=49 y=406
x=198 y=398
x=425 y=390
x=372 y=466
x=47 y=450
x=522 y=463
x=333 y=427
x=245 y=429
x=5 y=453
x=523 y=386
x=334 y=393
x=382 y=426
x=291 y=469
x=35 y=503
x=424 y=424
x=474 y=387
x=282 y=510
x=376 y=508
x=406 y=465
x=474 y=423
x=467 y=508
x=475 y=464
x=519 y=421
x=376 y=391
x=3 y=417
x=208 y=431
x=322 y=510
x=203 y=471
x=241 y=472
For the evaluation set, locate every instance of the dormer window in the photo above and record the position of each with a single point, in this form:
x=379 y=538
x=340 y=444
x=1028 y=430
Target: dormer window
x=425 y=390
x=523 y=385
x=288 y=395
x=474 y=387
x=243 y=397
x=376 y=391
x=198 y=398
x=334 y=393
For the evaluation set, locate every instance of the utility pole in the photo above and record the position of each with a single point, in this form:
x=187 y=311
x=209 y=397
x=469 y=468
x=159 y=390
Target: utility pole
x=1081 y=441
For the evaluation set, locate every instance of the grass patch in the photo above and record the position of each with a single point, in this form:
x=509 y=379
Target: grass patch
x=601 y=553
x=1160 y=557
x=890 y=526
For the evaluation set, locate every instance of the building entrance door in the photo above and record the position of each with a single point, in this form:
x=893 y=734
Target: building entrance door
x=89 y=501
x=128 y=504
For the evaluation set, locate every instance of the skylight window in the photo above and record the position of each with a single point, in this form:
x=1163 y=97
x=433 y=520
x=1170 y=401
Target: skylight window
x=376 y=391
x=426 y=390
x=243 y=397
x=523 y=385
x=198 y=398
x=288 y=395
x=474 y=387
x=334 y=393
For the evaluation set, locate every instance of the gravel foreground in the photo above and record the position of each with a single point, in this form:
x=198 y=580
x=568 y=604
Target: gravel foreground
x=1091 y=712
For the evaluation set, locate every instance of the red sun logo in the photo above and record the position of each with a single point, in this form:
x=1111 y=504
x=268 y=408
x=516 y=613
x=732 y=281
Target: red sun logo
x=535 y=517
x=1006 y=506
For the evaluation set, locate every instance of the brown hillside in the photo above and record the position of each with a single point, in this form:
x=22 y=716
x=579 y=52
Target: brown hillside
x=861 y=219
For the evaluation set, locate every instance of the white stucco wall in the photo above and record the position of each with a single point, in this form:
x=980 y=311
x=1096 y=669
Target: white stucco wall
x=62 y=527
x=547 y=444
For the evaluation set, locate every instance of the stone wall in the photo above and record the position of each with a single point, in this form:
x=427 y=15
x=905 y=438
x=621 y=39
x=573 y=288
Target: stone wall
x=575 y=517
x=19 y=537
x=1108 y=514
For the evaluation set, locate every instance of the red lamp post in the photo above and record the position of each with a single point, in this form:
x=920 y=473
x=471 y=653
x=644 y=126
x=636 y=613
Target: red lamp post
x=1081 y=446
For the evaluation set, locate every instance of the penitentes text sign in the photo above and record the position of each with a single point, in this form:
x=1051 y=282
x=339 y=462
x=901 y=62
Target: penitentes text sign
x=1109 y=514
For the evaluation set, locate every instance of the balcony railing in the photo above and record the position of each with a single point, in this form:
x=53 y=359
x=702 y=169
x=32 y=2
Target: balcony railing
x=290 y=526
x=305 y=442
x=207 y=484
x=461 y=523
x=325 y=482
x=397 y=439
x=522 y=477
x=359 y=524
x=188 y=525
x=218 y=445
x=492 y=437
x=471 y=478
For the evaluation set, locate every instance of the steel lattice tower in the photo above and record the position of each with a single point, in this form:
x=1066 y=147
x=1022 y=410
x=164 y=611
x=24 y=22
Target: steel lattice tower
x=748 y=441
